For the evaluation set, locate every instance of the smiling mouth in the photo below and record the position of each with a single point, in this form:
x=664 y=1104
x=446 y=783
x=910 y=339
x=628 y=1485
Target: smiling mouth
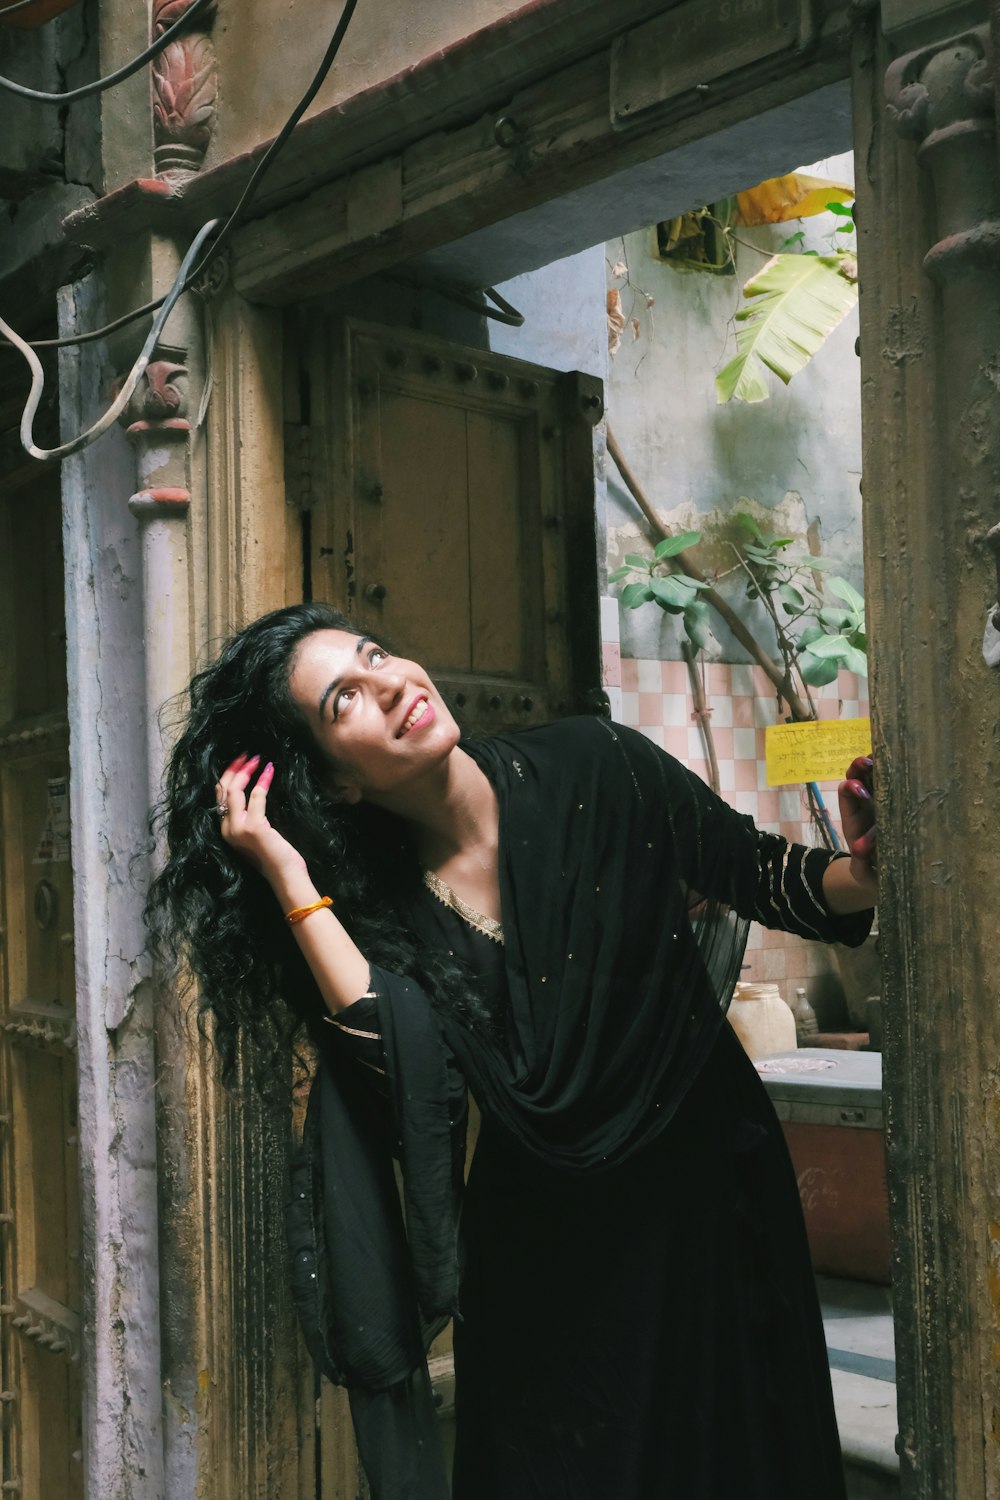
x=417 y=712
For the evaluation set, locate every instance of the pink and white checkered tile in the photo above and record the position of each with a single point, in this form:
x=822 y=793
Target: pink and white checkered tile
x=656 y=699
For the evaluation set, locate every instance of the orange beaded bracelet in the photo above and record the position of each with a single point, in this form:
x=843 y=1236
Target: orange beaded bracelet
x=301 y=912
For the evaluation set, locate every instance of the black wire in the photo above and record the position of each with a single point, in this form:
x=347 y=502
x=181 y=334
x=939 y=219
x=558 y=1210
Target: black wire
x=17 y=5
x=502 y=310
x=228 y=228
x=226 y=232
x=120 y=74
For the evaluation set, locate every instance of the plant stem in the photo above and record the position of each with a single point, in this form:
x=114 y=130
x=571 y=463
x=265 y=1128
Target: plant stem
x=702 y=713
x=722 y=608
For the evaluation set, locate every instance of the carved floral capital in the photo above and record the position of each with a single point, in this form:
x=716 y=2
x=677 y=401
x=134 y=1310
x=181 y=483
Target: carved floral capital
x=166 y=13
x=184 y=92
x=942 y=97
x=159 y=403
x=944 y=87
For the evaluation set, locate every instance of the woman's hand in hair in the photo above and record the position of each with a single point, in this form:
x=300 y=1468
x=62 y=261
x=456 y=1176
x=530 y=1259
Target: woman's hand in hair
x=245 y=826
x=340 y=968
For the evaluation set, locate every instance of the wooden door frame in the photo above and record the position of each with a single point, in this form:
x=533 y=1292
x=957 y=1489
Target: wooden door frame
x=929 y=321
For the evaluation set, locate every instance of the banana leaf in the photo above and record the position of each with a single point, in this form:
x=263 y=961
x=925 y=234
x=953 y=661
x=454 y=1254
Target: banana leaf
x=800 y=299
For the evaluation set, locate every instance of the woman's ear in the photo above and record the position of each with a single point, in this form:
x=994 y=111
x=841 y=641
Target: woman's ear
x=345 y=792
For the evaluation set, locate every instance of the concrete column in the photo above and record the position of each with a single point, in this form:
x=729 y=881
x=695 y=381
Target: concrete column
x=160 y=429
x=929 y=251
x=123 y=1429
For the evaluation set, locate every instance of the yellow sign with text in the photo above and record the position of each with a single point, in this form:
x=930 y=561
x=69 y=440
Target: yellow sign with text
x=818 y=751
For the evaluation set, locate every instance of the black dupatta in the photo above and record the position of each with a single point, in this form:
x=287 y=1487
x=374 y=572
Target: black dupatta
x=622 y=945
x=623 y=938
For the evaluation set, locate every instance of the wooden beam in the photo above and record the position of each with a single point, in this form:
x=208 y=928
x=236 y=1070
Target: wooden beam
x=559 y=138
x=443 y=91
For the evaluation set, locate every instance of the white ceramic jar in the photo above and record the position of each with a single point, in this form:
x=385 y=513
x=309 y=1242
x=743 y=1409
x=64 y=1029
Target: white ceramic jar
x=762 y=1020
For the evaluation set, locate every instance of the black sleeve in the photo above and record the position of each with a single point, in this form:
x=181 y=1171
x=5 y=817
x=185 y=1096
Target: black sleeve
x=357 y=1030
x=788 y=893
x=763 y=877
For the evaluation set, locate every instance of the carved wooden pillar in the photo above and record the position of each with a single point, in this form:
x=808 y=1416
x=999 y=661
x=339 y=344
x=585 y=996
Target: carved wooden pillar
x=184 y=91
x=160 y=431
x=929 y=252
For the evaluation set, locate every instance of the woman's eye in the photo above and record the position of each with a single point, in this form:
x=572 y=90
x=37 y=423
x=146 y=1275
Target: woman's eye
x=377 y=651
x=342 y=699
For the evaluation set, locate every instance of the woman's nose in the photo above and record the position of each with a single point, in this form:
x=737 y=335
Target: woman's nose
x=391 y=686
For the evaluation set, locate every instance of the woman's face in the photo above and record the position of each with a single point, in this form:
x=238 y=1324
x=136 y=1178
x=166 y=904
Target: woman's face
x=379 y=719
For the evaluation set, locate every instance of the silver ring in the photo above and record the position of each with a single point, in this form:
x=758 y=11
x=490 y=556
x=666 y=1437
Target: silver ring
x=221 y=809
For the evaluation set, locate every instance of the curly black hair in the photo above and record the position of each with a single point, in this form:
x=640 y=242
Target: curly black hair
x=209 y=910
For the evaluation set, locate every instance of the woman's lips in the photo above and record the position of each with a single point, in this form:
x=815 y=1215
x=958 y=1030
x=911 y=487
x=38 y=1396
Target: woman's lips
x=420 y=716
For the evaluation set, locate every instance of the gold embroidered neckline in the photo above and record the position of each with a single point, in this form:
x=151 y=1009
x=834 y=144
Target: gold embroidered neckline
x=488 y=926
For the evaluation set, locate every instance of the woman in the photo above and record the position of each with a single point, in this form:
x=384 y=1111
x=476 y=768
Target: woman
x=554 y=919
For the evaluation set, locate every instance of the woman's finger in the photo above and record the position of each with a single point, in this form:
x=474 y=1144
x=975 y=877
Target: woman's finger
x=866 y=847
x=242 y=777
x=860 y=769
x=258 y=797
x=231 y=769
x=234 y=795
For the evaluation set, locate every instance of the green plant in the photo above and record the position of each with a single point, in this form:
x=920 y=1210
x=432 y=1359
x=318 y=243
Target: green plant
x=794 y=303
x=816 y=634
x=676 y=593
x=819 y=625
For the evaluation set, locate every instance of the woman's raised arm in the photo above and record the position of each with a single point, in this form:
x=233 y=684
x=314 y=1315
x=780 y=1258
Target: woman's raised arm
x=338 y=966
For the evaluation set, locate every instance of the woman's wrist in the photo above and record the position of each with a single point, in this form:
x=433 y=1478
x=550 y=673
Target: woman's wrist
x=293 y=887
x=849 y=886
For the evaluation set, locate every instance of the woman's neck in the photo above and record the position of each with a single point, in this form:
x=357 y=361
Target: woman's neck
x=452 y=813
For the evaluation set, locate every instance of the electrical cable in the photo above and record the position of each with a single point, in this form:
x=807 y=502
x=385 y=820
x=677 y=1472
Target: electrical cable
x=246 y=197
x=98 y=85
x=190 y=271
x=249 y=192
x=115 y=410
x=502 y=310
x=17 y=5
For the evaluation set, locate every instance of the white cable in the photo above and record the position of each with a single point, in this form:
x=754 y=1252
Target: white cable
x=136 y=373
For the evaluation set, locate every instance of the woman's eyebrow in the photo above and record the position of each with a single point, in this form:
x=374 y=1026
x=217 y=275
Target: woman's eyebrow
x=362 y=643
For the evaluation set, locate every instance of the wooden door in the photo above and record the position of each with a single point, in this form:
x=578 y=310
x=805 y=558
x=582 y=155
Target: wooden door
x=450 y=494
x=448 y=506
x=39 y=1174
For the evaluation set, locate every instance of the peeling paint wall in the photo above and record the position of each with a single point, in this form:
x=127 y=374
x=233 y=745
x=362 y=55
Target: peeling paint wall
x=118 y=1149
x=797 y=456
x=383 y=40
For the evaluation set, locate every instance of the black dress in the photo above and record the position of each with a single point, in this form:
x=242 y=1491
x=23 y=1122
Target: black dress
x=649 y=1330
x=647 y=1334
x=650 y=1333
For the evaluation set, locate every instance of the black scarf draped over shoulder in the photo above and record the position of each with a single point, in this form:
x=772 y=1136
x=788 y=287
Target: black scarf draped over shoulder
x=621 y=876
x=619 y=893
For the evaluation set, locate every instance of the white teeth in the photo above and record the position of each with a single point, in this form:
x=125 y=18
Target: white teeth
x=416 y=715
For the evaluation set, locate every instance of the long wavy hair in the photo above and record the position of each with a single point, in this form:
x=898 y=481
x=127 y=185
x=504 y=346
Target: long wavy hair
x=208 y=911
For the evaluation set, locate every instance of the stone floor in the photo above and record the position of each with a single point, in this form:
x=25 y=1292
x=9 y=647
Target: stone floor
x=859 y=1337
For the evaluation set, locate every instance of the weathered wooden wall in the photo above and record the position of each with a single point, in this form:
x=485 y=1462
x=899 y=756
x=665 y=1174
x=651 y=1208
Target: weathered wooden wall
x=929 y=212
